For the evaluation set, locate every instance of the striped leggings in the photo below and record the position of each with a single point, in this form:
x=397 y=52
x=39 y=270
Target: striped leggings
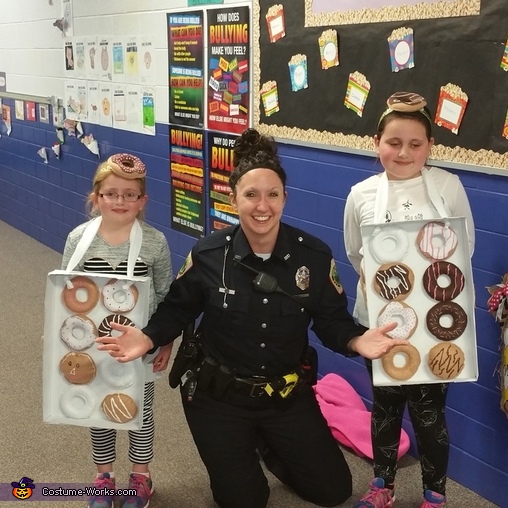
x=140 y=441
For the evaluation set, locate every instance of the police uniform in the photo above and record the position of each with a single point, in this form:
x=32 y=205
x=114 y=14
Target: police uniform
x=256 y=336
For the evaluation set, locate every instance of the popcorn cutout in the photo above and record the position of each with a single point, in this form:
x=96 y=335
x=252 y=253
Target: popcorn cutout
x=275 y=22
x=329 y=49
x=451 y=105
x=505 y=128
x=43 y=155
x=504 y=60
x=401 y=45
x=298 y=72
x=270 y=97
x=358 y=89
x=91 y=144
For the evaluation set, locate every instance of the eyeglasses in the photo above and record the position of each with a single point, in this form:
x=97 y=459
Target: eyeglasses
x=129 y=197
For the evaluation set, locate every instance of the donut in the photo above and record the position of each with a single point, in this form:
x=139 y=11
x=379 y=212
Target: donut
x=403 y=315
x=457 y=327
x=406 y=101
x=116 y=374
x=78 y=332
x=119 y=296
x=77 y=368
x=78 y=402
x=394 y=281
x=436 y=241
x=119 y=407
x=389 y=243
x=105 y=326
x=411 y=362
x=446 y=360
x=128 y=163
x=443 y=272
x=73 y=297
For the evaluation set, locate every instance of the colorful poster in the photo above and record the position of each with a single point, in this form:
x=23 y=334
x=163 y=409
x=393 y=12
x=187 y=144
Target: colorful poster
x=229 y=69
x=186 y=73
x=187 y=180
x=220 y=166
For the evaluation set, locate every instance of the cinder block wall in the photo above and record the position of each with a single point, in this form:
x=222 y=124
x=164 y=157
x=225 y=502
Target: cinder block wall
x=46 y=201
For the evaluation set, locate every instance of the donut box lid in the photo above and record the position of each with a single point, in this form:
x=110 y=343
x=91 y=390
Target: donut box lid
x=394 y=243
x=66 y=402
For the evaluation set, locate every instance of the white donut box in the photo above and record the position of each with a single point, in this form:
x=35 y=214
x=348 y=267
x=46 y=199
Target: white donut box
x=420 y=301
x=56 y=387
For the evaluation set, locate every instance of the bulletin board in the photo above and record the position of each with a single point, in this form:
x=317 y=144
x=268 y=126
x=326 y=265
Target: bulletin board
x=464 y=46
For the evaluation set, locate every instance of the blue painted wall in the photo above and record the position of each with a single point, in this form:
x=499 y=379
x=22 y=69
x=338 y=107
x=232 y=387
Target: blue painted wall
x=46 y=201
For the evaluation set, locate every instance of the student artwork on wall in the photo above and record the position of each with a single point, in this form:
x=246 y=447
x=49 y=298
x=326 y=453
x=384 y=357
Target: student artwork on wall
x=452 y=52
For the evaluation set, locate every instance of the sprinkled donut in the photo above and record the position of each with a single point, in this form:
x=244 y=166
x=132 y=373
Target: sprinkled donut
x=105 y=326
x=394 y=281
x=78 y=368
x=436 y=240
x=438 y=273
x=72 y=294
x=446 y=360
x=119 y=296
x=411 y=362
x=403 y=315
x=458 y=316
x=78 y=332
x=78 y=402
x=119 y=407
x=128 y=163
x=389 y=243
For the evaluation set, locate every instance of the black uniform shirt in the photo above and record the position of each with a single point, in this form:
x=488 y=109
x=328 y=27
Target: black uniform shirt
x=255 y=333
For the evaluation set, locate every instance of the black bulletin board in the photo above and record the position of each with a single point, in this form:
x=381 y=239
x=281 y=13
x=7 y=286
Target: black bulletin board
x=463 y=50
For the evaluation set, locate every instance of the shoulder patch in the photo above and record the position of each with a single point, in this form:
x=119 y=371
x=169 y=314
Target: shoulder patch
x=334 y=277
x=187 y=265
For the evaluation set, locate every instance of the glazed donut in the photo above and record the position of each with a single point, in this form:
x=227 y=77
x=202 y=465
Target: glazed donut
x=105 y=326
x=128 y=163
x=78 y=332
x=436 y=240
x=116 y=374
x=389 y=243
x=411 y=362
x=446 y=360
x=458 y=317
x=78 y=402
x=119 y=407
x=403 y=315
x=394 y=281
x=72 y=294
x=439 y=272
x=406 y=101
x=119 y=296
x=78 y=368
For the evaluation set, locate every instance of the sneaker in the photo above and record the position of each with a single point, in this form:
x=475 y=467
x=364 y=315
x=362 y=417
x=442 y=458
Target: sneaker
x=377 y=497
x=144 y=490
x=432 y=499
x=103 y=482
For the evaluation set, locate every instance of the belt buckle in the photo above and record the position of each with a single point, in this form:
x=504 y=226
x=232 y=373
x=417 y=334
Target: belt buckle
x=259 y=387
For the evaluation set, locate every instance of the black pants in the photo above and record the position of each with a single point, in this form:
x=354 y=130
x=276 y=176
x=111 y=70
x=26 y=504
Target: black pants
x=227 y=431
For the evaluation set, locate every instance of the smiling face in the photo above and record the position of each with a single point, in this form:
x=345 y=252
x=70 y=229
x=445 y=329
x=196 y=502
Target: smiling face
x=259 y=198
x=403 y=147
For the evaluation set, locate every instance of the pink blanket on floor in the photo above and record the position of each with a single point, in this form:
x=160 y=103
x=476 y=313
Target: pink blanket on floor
x=347 y=416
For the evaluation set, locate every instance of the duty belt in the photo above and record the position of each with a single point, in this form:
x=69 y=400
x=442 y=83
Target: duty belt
x=256 y=387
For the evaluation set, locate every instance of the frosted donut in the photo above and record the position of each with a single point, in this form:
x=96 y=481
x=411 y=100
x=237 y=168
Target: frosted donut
x=78 y=402
x=105 y=326
x=411 y=362
x=403 y=315
x=443 y=272
x=128 y=163
x=119 y=407
x=78 y=368
x=116 y=374
x=394 y=281
x=78 y=332
x=73 y=292
x=389 y=243
x=119 y=296
x=446 y=360
x=406 y=101
x=436 y=240
x=458 y=324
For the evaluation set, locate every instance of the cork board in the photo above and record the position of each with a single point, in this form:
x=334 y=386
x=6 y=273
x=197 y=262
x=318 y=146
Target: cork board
x=464 y=52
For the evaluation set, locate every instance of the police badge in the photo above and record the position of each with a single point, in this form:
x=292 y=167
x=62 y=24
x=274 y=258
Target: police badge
x=302 y=278
x=334 y=277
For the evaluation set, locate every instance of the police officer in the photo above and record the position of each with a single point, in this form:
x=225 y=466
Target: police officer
x=257 y=287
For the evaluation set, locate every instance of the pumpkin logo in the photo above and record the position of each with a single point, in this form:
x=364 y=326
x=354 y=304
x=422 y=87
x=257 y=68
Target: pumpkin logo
x=23 y=489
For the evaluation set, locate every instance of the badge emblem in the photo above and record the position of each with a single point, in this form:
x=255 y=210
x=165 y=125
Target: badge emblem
x=187 y=265
x=334 y=277
x=302 y=278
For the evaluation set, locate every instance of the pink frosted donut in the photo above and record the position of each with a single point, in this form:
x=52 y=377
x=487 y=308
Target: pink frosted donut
x=436 y=240
x=128 y=163
x=119 y=296
x=403 y=315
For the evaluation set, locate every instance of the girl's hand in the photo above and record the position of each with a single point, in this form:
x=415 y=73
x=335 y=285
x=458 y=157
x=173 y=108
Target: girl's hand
x=160 y=362
x=374 y=343
x=131 y=344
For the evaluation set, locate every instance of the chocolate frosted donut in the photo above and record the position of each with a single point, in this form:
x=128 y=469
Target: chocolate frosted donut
x=105 y=326
x=406 y=101
x=446 y=360
x=459 y=321
x=393 y=281
x=431 y=282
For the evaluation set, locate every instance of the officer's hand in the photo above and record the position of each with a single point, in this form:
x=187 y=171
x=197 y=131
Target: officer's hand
x=374 y=343
x=131 y=344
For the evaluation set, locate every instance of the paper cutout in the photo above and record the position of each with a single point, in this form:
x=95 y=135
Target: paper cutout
x=6 y=117
x=79 y=129
x=401 y=45
x=451 y=106
x=70 y=127
x=358 y=89
x=298 y=72
x=59 y=23
x=504 y=60
x=505 y=128
x=275 y=22
x=270 y=97
x=19 y=110
x=43 y=113
x=329 y=49
x=56 y=149
x=42 y=153
x=91 y=144
x=30 y=111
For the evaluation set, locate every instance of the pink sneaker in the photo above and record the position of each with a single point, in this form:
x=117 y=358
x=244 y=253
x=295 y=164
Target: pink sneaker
x=432 y=499
x=143 y=487
x=102 y=492
x=377 y=497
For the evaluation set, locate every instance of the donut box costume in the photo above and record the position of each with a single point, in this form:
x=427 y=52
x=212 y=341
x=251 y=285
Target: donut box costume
x=418 y=274
x=82 y=385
